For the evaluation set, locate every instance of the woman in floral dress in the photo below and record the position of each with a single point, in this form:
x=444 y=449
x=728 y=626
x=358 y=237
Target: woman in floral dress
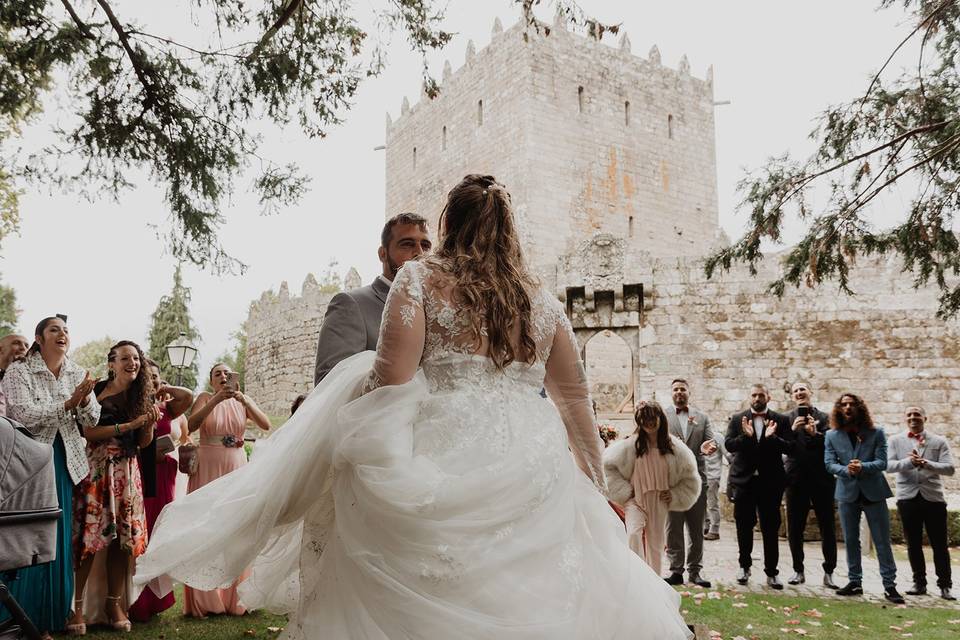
x=110 y=525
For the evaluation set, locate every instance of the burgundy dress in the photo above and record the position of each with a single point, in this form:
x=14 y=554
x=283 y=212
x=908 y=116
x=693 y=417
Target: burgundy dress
x=148 y=604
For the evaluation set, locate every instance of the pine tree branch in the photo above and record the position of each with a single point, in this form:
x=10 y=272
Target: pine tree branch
x=81 y=25
x=134 y=57
x=285 y=15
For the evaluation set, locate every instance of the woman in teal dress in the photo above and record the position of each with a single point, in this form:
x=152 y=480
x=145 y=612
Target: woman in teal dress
x=52 y=397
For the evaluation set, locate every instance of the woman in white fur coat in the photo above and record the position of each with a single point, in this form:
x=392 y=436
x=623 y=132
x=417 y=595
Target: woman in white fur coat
x=651 y=473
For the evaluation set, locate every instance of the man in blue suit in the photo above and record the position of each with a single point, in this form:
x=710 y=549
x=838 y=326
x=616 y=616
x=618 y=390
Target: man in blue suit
x=855 y=451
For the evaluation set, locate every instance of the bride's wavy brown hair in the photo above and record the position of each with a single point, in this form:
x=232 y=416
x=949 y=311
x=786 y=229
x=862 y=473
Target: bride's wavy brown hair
x=479 y=240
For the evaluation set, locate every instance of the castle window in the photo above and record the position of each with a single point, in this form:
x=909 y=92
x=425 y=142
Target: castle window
x=630 y=224
x=580 y=99
x=480 y=113
x=626 y=117
x=414 y=157
x=670 y=126
x=443 y=142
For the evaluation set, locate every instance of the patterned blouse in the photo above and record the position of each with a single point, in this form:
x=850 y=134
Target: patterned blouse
x=35 y=398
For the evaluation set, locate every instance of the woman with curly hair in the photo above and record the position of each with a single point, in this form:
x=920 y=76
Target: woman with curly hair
x=651 y=473
x=855 y=451
x=110 y=525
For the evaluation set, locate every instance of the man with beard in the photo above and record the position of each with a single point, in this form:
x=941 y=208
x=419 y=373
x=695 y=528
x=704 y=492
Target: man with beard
x=919 y=458
x=693 y=427
x=809 y=484
x=352 y=321
x=756 y=438
x=13 y=348
x=855 y=451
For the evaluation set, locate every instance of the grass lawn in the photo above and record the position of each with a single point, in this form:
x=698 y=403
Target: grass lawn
x=173 y=625
x=760 y=616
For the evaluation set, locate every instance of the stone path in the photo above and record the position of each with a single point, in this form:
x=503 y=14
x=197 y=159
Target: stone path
x=720 y=567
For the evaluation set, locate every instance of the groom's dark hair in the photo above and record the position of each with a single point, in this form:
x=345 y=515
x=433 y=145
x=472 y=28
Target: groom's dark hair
x=400 y=218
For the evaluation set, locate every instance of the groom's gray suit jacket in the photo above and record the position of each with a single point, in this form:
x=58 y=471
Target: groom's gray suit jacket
x=351 y=325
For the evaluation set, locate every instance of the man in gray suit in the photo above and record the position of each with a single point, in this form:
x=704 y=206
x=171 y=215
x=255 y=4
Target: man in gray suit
x=693 y=427
x=352 y=321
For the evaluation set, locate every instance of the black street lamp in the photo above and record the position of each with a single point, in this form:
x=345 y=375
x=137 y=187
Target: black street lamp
x=181 y=354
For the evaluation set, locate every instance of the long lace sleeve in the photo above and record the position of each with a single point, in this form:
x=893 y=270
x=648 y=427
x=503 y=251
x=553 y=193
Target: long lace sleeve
x=402 y=332
x=566 y=383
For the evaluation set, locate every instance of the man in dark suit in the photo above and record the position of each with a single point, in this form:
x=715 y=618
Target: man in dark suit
x=809 y=484
x=756 y=438
x=352 y=321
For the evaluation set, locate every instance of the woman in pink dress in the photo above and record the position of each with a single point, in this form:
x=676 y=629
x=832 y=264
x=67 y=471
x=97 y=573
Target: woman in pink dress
x=221 y=418
x=159 y=472
x=651 y=473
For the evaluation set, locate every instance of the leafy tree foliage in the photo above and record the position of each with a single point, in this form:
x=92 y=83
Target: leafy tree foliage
x=92 y=356
x=189 y=112
x=172 y=316
x=236 y=356
x=9 y=314
x=901 y=130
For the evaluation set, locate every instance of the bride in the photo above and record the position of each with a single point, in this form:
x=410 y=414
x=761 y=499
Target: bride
x=428 y=490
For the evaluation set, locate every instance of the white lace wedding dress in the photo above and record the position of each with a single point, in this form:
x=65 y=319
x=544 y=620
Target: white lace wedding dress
x=442 y=503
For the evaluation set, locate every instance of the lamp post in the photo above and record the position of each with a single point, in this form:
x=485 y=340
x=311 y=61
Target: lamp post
x=181 y=354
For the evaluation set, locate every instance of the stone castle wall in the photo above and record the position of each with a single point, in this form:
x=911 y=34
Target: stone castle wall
x=282 y=333
x=586 y=137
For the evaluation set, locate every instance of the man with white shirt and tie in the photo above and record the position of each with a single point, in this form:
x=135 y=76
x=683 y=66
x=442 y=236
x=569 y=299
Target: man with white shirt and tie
x=693 y=427
x=757 y=439
x=919 y=458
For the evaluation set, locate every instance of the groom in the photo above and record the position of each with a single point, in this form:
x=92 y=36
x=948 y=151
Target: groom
x=352 y=321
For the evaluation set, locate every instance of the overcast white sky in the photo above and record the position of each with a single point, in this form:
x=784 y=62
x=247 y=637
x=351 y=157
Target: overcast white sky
x=779 y=62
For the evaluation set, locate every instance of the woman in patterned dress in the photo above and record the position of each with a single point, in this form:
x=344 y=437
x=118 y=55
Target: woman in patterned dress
x=221 y=418
x=110 y=525
x=51 y=395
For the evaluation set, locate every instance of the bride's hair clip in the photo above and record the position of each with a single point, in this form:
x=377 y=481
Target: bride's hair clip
x=484 y=192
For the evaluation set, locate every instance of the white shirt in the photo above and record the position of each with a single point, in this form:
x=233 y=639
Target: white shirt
x=385 y=281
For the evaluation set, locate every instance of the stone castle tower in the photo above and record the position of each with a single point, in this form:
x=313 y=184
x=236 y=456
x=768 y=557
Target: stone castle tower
x=586 y=138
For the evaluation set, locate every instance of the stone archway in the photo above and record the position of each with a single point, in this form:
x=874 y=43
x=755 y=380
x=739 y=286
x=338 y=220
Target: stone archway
x=608 y=360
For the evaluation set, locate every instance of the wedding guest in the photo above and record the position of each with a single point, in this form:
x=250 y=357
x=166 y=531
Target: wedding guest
x=755 y=437
x=652 y=473
x=221 y=418
x=110 y=528
x=713 y=465
x=297 y=402
x=172 y=402
x=53 y=397
x=919 y=458
x=693 y=428
x=13 y=348
x=351 y=323
x=855 y=451
x=809 y=484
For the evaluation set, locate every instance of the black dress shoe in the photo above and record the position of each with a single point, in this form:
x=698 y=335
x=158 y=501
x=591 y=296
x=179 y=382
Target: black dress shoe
x=917 y=590
x=674 y=579
x=797 y=578
x=828 y=581
x=774 y=583
x=893 y=595
x=743 y=575
x=700 y=582
x=711 y=536
x=851 y=589
x=946 y=595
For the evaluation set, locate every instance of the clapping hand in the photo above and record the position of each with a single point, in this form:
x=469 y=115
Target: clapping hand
x=771 y=429
x=916 y=459
x=746 y=425
x=152 y=416
x=854 y=467
x=665 y=496
x=80 y=395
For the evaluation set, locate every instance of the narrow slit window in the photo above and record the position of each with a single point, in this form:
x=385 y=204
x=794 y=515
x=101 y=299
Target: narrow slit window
x=630 y=227
x=580 y=99
x=626 y=117
x=443 y=141
x=414 y=157
x=480 y=113
x=670 y=126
